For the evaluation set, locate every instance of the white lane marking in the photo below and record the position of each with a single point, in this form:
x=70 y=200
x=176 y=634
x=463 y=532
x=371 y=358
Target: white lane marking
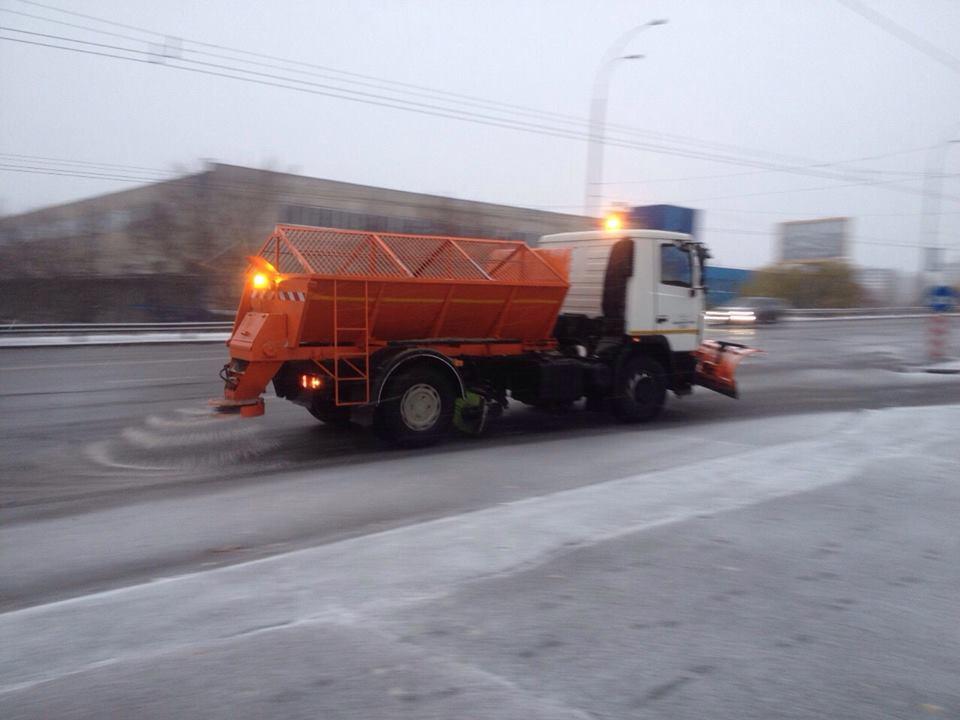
x=114 y=362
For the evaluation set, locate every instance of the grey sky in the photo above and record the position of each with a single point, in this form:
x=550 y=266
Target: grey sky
x=806 y=79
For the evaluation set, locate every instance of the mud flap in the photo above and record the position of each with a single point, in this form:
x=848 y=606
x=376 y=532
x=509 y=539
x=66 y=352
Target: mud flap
x=470 y=414
x=717 y=364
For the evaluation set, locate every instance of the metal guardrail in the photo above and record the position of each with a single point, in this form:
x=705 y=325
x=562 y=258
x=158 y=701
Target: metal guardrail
x=859 y=312
x=16 y=329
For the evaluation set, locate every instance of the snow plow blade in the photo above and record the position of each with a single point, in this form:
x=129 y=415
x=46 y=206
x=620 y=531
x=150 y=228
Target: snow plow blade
x=717 y=365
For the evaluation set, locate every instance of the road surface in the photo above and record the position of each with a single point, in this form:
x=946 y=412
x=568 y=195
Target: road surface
x=790 y=554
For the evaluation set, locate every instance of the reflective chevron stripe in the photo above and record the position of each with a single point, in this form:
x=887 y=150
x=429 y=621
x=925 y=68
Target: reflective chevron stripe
x=288 y=295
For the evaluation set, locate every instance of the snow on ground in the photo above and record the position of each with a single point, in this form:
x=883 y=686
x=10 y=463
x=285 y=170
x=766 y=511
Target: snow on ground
x=343 y=581
x=826 y=379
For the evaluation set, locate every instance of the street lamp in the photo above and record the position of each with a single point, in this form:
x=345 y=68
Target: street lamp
x=593 y=195
x=932 y=271
x=933 y=185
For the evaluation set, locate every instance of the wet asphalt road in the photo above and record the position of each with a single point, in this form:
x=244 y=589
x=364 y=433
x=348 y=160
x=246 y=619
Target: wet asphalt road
x=91 y=421
x=121 y=435
x=807 y=566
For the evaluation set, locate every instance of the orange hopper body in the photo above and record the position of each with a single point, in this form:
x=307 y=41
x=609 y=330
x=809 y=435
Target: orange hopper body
x=337 y=296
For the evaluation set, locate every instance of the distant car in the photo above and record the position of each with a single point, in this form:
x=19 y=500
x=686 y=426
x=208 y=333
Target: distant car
x=747 y=311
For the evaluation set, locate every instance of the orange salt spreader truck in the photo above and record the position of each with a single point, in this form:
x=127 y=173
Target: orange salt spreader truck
x=415 y=334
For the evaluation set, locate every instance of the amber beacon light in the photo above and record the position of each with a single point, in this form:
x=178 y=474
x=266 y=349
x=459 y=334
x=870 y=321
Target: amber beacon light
x=612 y=222
x=263 y=273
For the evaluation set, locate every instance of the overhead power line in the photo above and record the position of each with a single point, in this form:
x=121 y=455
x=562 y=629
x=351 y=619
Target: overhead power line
x=158 y=36
x=192 y=182
x=835 y=163
x=794 y=213
x=917 y=42
x=297 y=84
x=254 y=191
x=67 y=172
x=883 y=184
x=409 y=88
x=287 y=82
x=88 y=163
x=310 y=87
x=137 y=174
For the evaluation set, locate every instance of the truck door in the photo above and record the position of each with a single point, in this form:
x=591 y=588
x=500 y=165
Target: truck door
x=677 y=313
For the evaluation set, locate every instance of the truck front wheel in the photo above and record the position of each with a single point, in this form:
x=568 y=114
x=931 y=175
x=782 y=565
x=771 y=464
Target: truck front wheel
x=417 y=408
x=640 y=390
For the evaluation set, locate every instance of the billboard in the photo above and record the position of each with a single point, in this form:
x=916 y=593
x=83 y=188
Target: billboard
x=824 y=239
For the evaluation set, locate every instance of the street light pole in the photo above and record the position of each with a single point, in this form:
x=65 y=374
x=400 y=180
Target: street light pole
x=933 y=186
x=593 y=195
x=931 y=271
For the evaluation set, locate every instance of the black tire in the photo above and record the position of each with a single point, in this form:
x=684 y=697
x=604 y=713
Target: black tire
x=336 y=417
x=640 y=391
x=417 y=409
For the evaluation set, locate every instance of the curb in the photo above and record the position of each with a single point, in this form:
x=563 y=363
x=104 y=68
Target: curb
x=131 y=339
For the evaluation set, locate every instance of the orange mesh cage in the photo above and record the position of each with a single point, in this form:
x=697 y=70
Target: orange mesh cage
x=344 y=289
x=296 y=249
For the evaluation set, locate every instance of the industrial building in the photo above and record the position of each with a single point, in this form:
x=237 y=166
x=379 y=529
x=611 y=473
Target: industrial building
x=175 y=249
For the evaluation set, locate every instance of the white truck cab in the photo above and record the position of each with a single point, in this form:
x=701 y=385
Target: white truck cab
x=651 y=279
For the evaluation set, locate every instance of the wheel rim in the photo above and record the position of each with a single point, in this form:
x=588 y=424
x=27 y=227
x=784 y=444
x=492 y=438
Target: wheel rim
x=420 y=407
x=641 y=388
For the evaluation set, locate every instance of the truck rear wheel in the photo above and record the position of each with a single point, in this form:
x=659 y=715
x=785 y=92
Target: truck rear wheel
x=640 y=390
x=417 y=409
